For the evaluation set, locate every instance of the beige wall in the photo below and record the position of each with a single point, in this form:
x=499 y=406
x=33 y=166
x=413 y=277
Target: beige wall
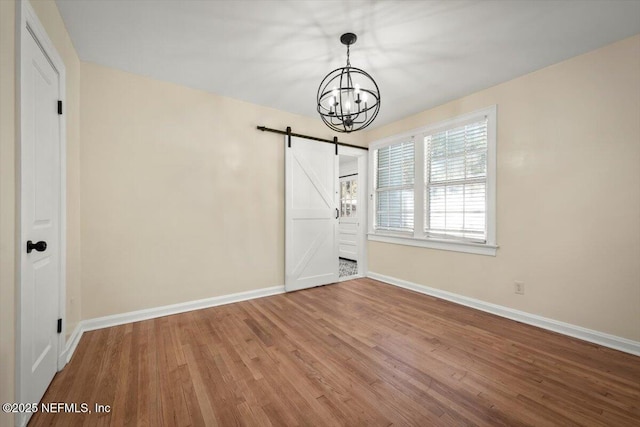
x=182 y=198
x=7 y=206
x=48 y=14
x=568 y=196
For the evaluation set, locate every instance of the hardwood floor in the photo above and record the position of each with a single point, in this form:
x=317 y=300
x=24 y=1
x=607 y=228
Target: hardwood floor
x=355 y=353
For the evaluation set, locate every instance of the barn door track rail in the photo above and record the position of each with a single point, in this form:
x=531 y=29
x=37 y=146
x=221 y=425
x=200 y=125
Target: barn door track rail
x=299 y=135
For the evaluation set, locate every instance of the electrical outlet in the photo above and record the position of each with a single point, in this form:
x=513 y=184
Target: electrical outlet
x=518 y=287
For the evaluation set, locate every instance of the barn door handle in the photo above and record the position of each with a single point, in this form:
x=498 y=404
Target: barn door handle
x=337 y=213
x=41 y=246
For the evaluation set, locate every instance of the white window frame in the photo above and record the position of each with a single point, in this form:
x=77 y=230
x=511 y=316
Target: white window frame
x=418 y=237
x=394 y=141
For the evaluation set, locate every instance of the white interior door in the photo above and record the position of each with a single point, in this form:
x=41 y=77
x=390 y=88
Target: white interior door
x=349 y=222
x=311 y=214
x=40 y=220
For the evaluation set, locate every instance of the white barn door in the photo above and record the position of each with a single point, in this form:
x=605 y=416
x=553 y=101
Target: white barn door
x=311 y=215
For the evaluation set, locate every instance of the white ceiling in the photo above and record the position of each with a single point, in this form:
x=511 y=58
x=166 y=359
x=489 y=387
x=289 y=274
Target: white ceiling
x=275 y=53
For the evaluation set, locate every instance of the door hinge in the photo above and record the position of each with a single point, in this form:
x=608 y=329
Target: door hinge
x=59 y=107
x=59 y=326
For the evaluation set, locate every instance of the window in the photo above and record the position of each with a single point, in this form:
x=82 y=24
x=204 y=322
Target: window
x=456 y=182
x=435 y=186
x=348 y=198
x=395 y=176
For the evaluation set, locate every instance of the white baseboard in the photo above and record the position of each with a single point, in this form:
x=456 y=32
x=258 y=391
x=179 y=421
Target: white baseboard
x=72 y=343
x=601 y=338
x=152 y=313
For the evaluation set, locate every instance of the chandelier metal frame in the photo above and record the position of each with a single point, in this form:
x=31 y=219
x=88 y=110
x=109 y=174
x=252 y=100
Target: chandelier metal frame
x=343 y=104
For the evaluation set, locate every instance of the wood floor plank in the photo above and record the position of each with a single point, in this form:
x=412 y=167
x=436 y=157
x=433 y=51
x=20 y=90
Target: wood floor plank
x=356 y=353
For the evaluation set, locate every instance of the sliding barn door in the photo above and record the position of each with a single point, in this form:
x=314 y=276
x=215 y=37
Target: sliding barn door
x=311 y=215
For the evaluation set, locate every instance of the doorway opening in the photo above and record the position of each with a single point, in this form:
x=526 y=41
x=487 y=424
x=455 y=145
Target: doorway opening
x=349 y=221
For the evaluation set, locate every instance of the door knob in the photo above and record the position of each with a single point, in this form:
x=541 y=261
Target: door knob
x=41 y=246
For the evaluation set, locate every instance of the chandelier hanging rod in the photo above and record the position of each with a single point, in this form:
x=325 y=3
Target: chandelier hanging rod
x=315 y=138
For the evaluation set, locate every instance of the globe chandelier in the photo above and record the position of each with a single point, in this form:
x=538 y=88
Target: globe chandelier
x=348 y=97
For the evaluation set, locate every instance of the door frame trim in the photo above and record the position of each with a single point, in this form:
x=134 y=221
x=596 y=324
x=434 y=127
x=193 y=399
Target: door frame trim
x=362 y=154
x=28 y=25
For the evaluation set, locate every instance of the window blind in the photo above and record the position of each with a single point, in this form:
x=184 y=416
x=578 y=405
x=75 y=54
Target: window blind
x=394 y=187
x=456 y=182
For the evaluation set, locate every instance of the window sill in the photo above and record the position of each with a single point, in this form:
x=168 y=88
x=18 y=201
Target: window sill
x=445 y=245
